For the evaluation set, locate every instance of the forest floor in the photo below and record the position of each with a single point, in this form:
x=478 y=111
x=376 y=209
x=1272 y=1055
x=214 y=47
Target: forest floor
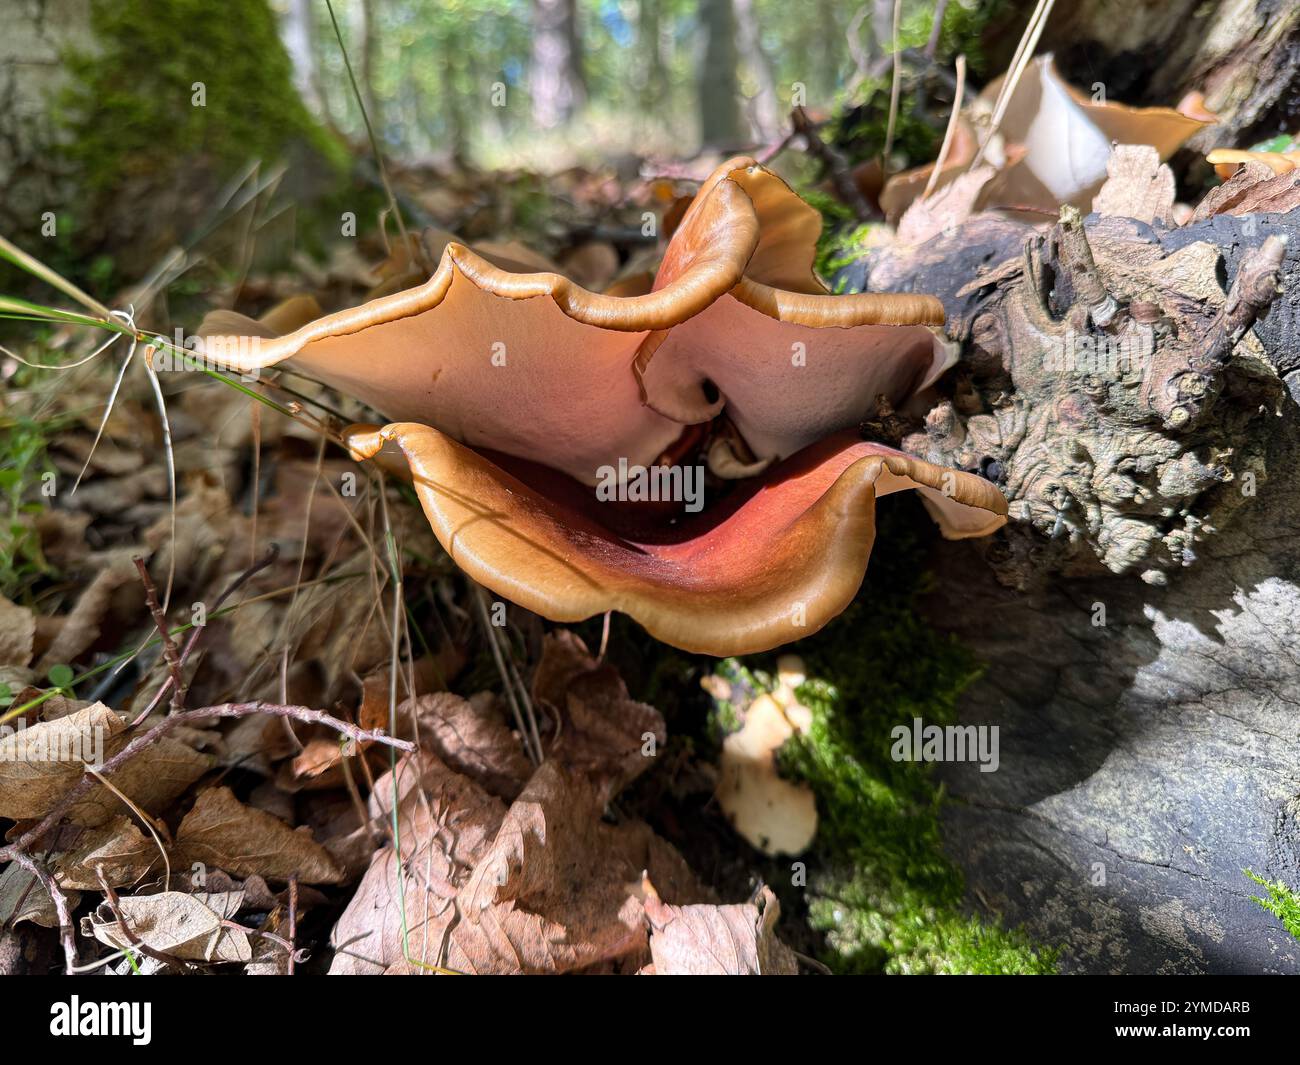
x=271 y=571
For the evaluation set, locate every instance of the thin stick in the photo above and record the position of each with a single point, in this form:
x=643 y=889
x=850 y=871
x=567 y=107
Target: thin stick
x=936 y=31
x=93 y=671
x=895 y=90
x=196 y=631
x=170 y=457
x=836 y=167
x=145 y=819
x=1024 y=52
x=293 y=919
x=169 y=651
x=84 y=786
x=951 y=131
x=60 y=900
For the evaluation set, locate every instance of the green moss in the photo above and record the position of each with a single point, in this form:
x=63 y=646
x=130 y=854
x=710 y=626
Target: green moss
x=841 y=246
x=861 y=132
x=23 y=463
x=1282 y=902
x=964 y=24
x=880 y=888
x=861 y=127
x=177 y=84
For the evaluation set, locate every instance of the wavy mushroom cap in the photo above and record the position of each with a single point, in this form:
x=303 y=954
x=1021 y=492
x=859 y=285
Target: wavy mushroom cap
x=1067 y=137
x=513 y=393
x=1055 y=143
x=534 y=365
x=772 y=562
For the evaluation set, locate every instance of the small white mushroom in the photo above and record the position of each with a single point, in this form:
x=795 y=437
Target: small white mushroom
x=775 y=815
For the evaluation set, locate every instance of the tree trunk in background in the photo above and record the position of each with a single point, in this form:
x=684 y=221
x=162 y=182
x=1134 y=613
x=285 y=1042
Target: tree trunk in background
x=556 y=80
x=717 y=85
x=36 y=34
x=766 y=116
x=457 y=133
x=299 y=34
x=654 y=76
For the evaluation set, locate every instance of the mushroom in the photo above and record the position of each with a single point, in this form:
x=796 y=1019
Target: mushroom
x=514 y=394
x=775 y=815
x=1227 y=161
x=771 y=562
x=1051 y=145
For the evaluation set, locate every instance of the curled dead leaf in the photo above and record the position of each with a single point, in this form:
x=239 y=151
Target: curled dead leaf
x=171 y=923
x=117 y=850
x=704 y=940
x=39 y=764
x=223 y=833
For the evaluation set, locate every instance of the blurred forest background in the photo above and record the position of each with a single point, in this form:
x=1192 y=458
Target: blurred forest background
x=502 y=81
x=122 y=124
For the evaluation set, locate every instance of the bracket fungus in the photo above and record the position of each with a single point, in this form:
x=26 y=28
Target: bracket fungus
x=514 y=398
x=1047 y=141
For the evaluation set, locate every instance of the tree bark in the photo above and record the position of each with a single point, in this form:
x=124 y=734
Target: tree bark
x=1149 y=729
x=766 y=116
x=717 y=85
x=557 y=83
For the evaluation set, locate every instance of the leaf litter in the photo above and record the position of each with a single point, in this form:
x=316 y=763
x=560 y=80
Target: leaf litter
x=495 y=839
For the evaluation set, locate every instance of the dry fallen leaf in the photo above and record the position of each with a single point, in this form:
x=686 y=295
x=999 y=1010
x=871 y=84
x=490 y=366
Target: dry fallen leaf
x=718 y=940
x=40 y=763
x=1138 y=185
x=17 y=633
x=117 y=849
x=222 y=833
x=80 y=629
x=171 y=923
x=153 y=779
x=446 y=823
x=472 y=737
x=1254 y=189
x=22 y=898
x=603 y=734
x=558 y=890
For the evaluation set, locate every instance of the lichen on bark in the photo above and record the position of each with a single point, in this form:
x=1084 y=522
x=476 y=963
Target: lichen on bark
x=1110 y=381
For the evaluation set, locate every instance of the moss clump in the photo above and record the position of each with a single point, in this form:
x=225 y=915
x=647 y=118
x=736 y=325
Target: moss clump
x=1282 y=902
x=841 y=247
x=132 y=110
x=880 y=888
x=174 y=100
